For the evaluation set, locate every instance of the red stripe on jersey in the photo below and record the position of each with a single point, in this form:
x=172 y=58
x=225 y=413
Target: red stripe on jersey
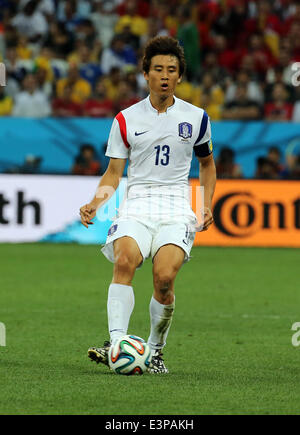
x=122 y=123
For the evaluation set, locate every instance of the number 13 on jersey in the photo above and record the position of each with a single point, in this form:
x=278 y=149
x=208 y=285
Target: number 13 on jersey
x=162 y=155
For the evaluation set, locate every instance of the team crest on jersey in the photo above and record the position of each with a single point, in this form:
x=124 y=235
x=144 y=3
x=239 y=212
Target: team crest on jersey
x=185 y=130
x=112 y=229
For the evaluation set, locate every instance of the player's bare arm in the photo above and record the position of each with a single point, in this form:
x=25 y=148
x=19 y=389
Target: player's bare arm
x=208 y=181
x=107 y=186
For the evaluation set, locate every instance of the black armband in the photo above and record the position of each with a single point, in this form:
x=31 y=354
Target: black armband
x=204 y=149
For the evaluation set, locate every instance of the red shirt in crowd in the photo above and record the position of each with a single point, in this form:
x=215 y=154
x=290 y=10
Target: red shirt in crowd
x=93 y=168
x=280 y=112
x=63 y=108
x=97 y=109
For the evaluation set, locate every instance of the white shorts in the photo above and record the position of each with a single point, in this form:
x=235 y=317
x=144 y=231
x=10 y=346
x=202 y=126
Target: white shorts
x=150 y=236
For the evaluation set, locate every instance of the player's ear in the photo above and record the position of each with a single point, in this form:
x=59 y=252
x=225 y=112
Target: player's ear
x=179 y=80
x=146 y=76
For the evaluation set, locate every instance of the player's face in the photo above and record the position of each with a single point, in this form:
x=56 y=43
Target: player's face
x=163 y=75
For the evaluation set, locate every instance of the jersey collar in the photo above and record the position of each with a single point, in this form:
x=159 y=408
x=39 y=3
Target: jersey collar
x=155 y=110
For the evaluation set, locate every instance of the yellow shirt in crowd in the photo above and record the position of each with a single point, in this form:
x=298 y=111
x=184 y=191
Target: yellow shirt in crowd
x=6 y=106
x=81 y=90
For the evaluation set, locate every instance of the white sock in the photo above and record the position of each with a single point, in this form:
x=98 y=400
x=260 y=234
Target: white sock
x=161 y=319
x=120 y=304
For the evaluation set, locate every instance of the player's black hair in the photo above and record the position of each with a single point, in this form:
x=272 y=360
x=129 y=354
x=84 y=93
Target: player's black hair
x=163 y=45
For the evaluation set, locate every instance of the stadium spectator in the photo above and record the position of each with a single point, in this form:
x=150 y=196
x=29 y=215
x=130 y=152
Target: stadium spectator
x=208 y=86
x=86 y=59
x=118 y=55
x=154 y=28
x=79 y=9
x=132 y=19
x=46 y=7
x=261 y=54
x=293 y=164
x=213 y=109
x=31 y=102
x=104 y=19
x=208 y=23
x=31 y=23
x=279 y=109
x=129 y=38
x=265 y=20
x=59 y=40
x=99 y=105
x=232 y=23
x=6 y=103
x=211 y=65
x=43 y=82
x=65 y=107
x=265 y=169
x=81 y=89
x=131 y=79
x=241 y=107
x=86 y=163
x=185 y=90
x=85 y=31
x=165 y=15
x=227 y=57
x=139 y=8
x=285 y=62
x=15 y=69
x=68 y=14
x=112 y=83
x=247 y=64
x=189 y=38
x=274 y=156
x=291 y=16
x=23 y=50
x=140 y=80
x=225 y=165
x=254 y=91
x=31 y=165
x=126 y=97
x=277 y=76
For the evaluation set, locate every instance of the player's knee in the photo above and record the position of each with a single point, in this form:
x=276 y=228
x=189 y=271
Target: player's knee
x=163 y=280
x=125 y=264
x=165 y=275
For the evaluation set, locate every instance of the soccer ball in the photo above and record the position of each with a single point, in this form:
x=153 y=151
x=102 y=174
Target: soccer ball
x=130 y=355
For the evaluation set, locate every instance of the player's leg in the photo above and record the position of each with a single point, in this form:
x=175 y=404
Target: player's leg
x=170 y=249
x=166 y=265
x=120 y=301
x=128 y=244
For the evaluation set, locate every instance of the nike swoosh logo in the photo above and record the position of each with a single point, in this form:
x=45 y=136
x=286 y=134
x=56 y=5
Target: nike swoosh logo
x=184 y=242
x=143 y=132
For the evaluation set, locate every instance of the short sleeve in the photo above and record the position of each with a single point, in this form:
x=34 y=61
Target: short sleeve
x=203 y=145
x=118 y=146
x=205 y=130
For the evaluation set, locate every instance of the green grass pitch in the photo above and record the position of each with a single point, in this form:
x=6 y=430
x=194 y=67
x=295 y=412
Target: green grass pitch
x=229 y=350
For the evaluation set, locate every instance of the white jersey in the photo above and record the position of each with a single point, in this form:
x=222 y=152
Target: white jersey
x=159 y=147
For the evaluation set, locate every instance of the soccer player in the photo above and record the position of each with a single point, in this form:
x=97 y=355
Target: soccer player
x=157 y=136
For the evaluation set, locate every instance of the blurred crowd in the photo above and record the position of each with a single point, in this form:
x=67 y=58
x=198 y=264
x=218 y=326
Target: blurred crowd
x=83 y=57
x=272 y=166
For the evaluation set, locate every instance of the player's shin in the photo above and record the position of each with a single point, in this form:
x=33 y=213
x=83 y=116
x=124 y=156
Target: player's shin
x=120 y=305
x=161 y=319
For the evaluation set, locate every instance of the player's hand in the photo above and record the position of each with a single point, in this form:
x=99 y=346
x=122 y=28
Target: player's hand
x=207 y=220
x=87 y=213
